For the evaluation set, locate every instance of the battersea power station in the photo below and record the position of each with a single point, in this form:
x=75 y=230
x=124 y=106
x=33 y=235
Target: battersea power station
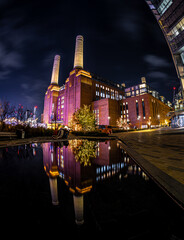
x=138 y=105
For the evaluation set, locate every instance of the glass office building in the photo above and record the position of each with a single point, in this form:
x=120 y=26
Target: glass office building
x=170 y=17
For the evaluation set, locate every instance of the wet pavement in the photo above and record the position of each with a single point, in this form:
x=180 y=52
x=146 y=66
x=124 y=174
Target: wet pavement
x=161 y=153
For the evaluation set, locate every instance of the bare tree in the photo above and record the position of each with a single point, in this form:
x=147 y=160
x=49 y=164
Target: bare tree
x=6 y=111
x=23 y=113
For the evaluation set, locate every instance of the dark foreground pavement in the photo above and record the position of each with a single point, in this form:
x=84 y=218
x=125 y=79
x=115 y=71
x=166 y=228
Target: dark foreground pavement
x=161 y=154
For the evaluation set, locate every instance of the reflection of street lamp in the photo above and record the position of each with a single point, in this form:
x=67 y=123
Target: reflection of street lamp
x=149 y=122
x=158 y=119
x=109 y=119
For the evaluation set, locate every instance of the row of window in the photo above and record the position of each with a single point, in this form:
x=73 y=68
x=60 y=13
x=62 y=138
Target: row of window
x=176 y=30
x=135 y=87
x=136 y=93
x=60 y=104
x=124 y=111
x=164 y=6
x=105 y=92
x=97 y=116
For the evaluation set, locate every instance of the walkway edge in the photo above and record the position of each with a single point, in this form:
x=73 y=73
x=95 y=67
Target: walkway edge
x=172 y=187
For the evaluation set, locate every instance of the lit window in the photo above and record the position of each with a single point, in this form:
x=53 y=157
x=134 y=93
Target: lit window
x=142 y=85
x=143 y=90
x=127 y=90
x=182 y=57
x=116 y=95
x=152 y=6
x=176 y=30
x=164 y=6
x=112 y=94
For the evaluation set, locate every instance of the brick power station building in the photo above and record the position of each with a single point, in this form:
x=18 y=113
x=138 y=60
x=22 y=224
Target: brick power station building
x=138 y=105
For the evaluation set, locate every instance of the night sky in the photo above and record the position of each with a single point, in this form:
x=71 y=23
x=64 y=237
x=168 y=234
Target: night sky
x=122 y=43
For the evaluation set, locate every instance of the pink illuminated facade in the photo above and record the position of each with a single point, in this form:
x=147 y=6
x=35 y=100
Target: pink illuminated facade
x=81 y=88
x=107 y=99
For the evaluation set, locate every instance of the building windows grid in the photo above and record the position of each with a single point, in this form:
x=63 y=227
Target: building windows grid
x=164 y=6
x=176 y=30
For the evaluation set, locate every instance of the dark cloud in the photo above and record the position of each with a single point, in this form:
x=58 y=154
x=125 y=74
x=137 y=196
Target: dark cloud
x=131 y=25
x=158 y=75
x=121 y=43
x=156 y=61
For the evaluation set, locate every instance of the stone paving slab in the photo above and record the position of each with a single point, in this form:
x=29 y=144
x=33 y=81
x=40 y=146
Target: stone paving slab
x=161 y=154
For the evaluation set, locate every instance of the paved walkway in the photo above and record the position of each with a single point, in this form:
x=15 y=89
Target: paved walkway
x=161 y=153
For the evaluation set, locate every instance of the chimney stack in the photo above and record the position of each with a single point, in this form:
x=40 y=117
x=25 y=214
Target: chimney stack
x=55 y=71
x=78 y=60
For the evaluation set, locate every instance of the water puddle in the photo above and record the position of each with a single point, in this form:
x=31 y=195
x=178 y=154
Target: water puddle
x=84 y=187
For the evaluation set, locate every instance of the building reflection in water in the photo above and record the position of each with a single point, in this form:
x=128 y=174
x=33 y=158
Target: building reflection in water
x=82 y=163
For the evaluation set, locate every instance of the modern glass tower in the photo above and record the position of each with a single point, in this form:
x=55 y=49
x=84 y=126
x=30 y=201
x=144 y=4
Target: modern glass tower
x=170 y=17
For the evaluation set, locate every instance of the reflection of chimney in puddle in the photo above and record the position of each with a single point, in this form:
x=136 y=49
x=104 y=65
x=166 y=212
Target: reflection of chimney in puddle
x=79 y=209
x=54 y=191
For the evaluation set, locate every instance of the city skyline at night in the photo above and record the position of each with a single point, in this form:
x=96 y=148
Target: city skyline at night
x=123 y=43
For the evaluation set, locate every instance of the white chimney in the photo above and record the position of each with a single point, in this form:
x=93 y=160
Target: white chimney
x=55 y=71
x=78 y=59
